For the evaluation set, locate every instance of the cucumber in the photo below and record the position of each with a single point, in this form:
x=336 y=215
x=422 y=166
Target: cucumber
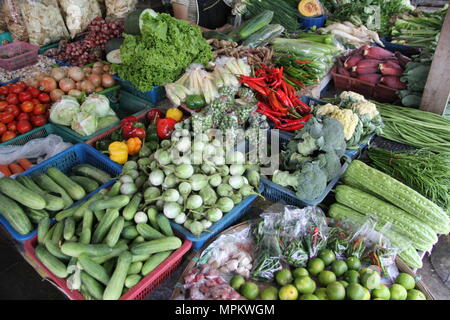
x=130 y=232
x=132 y=280
x=49 y=234
x=255 y=24
x=148 y=232
x=55 y=250
x=93 y=287
x=69 y=228
x=74 y=249
x=114 y=252
x=86 y=231
x=43 y=227
x=135 y=267
x=78 y=214
x=115 y=286
x=155 y=246
x=52 y=203
x=65 y=214
x=87 y=170
x=109 y=266
x=138 y=239
x=132 y=207
x=73 y=189
x=105 y=224
x=89 y=185
x=154 y=261
x=115 y=231
x=46 y=183
x=56 y=266
x=36 y=216
x=152 y=212
x=22 y=195
x=164 y=225
x=116 y=202
x=140 y=257
x=115 y=189
x=58 y=232
x=94 y=269
x=15 y=215
x=264 y=35
x=99 y=214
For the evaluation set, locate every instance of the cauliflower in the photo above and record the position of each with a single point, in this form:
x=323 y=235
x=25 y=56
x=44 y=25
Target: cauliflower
x=366 y=109
x=348 y=119
x=349 y=97
x=327 y=109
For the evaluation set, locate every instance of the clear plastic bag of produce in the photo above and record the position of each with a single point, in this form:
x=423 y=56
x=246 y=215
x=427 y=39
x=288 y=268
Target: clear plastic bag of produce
x=40 y=149
x=79 y=13
x=44 y=21
x=119 y=9
x=14 y=20
x=317 y=231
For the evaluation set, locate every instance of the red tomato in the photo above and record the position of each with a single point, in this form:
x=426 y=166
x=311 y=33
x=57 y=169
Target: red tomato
x=35 y=101
x=6 y=117
x=12 y=98
x=43 y=97
x=12 y=126
x=16 y=89
x=8 y=135
x=22 y=85
x=3 y=105
x=27 y=106
x=35 y=92
x=13 y=109
x=24 y=126
x=39 y=109
x=25 y=96
x=4 y=91
x=2 y=128
x=38 y=121
x=23 y=116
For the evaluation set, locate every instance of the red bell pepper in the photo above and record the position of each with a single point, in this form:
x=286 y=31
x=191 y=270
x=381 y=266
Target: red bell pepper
x=165 y=127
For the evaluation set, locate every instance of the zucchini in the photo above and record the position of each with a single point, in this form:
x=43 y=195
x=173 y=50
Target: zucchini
x=15 y=215
x=52 y=203
x=155 y=246
x=75 y=249
x=94 y=269
x=73 y=189
x=132 y=280
x=116 y=202
x=46 y=183
x=130 y=232
x=36 y=215
x=115 y=286
x=89 y=185
x=114 y=252
x=86 y=231
x=87 y=170
x=164 y=225
x=22 y=195
x=58 y=232
x=148 y=232
x=154 y=261
x=55 y=250
x=135 y=267
x=132 y=207
x=115 y=189
x=42 y=229
x=56 y=266
x=104 y=225
x=94 y=288
x=254 y=24
x=115 y=231
x=69 y=228
x=263 y=36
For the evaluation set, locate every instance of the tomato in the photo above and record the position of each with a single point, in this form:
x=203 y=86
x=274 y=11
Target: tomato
x=12 y=126
x=13 y=109
x=39 y=109
x=3 y=105
x=35 y=101
x=8 y=135
x=2 y=128
x=23 y=116
x=35 y=92
x=24 y=126
x=12 y=98
x=25 y=96
x=27 y=106
x=38 y=121
x=6 y=117
x=22 y=85
x=43 y=97
x=16 y=89
x=4 y=91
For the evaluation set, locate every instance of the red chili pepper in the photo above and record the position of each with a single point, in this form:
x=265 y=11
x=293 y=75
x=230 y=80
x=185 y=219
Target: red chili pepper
x=275 y=103
x=261 y=90
x=302 y=61
x=291 y=128
x=295 y=81
x=271 y=117
x=284 y=98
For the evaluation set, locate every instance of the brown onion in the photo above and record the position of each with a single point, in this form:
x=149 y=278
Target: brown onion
x=97 y=70
x=87 y=69
x=66 y=84
x=76 y=74
x=106 y=68
x=58 y=73
x=56 y=95
x=108 y=81
x=98 y=89
x=87 y=86
x=47 y=84
x=78 y=85
x=95 y=79
x=32 y=82
x=98 y=64
x=41 y=76
x=74 y=93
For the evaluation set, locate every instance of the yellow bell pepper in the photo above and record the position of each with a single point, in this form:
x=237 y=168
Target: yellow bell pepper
x=118 y=152
x=134 y=146
x=174 y=113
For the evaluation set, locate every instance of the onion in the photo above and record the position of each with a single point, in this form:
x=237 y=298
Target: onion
x=95 y=79
x=47 y=84
x=97 y=70
x=76 y=74
x=108 y=81
x=58 y=74
x=56 y=95
x=74 y=93
x=78 y=85
x=87 y=70
x=106 y=68
x=87 y=86
x=98 y=64
x=98 y=89
x=41 y=76
x=66 y=84
x=32 y=82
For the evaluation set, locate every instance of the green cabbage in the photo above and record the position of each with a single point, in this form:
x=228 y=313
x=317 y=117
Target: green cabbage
x=63 y=111
x=97 y=105
x=85 y=124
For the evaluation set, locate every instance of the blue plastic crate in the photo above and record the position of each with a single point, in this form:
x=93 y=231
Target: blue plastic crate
x=156 y=95
x=8 y=82
x=228 y=219
x=65 y=161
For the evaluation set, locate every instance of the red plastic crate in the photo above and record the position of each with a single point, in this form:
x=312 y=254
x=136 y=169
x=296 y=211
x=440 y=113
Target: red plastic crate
x=138 y=292
x=19 y=61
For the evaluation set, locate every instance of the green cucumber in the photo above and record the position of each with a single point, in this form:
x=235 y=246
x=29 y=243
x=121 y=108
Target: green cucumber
x=69 y=228
x=154 y=261
x=138 y=239
x=115 y=231
x=140 y=257
x=104 y=225
x=73 y=189
x=36 y=216
x=43 y=227
x=55 y=250
x=99 y=214
x=58 y=232
x=87 y=170
x=47 y=184
x=74 y=249
x=135 y=267
x=109 y=266
x=94 y=269
x=164 y=225
x=132 y=207
x=89 y=185
x=115 y=189
x=263 y=36
x=130 y=232
x=78 y=214
x=56 y=266
x=114 y=252
x=52 y=203
x=15 y=215
x=155 y=246
x=116 y=202
x=65 y=213
x=93 y=287
x=255 y=24
x=22 y=195
x=132 y=280
x=148 y=232
x=115 y=286
x=86 y=231
x=152 y=212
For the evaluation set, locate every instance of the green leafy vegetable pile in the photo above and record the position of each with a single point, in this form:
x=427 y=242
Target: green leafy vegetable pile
x=160 y=54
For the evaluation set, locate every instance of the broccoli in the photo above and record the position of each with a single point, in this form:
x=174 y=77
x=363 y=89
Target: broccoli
x=330 y=163
x=286 y=179
x=333 y=134
x=308 y=144
x=312 y=182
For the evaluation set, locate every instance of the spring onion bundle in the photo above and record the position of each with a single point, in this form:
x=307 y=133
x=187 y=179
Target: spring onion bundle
x=414 y=127
x=422 y=170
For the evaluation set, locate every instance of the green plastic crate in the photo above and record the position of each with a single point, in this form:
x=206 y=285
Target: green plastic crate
x=43 y=49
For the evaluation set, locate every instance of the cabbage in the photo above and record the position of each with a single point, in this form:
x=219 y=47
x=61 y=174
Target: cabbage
x=97 y=105
x=63 y=111
x=84 y=124
x=107 y=121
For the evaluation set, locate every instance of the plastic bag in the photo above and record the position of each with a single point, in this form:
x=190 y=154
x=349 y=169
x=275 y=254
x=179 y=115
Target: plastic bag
x=40 y=149
x=119 y=9
x=317 y=231
x=79 y=13
x=44 y=21
x=14 y=20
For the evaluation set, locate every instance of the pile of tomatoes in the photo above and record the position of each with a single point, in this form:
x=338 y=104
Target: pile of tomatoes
x=22 y=108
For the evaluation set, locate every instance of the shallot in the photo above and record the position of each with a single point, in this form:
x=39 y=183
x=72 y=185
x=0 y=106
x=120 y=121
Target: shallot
x=108 y=81
x=76 y=74
x=66 y=84
x=56 y=95
x=58 y=74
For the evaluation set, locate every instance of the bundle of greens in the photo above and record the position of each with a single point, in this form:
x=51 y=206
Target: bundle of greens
x=160 y=55
x=424 y=171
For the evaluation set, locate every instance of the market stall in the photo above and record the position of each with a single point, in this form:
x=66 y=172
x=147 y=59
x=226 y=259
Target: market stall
x=131 y=142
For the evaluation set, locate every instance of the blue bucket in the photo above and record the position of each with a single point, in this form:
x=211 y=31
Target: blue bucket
x=307 y=23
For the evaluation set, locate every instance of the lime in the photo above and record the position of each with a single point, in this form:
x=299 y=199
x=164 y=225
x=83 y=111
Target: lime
x=414 y=294
x=364 y=270
x=315 y=266
x=283 y=277
x=269 y=293
x=336 y=291
x=288 y=292
x=344 y=283
x=327 y=256
x=299 y=272
x=339 y=267
x=351 y=276
x=366 y=294
x=321 y=293
x=355 y=291
x=237 y=281
x=398 y=292
x=370 y=279
x=309 y=296
x=326 y=277
x=382 y=292
x=305 y=285
x=406 y=281
x=249 y=290
x=353 y=263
